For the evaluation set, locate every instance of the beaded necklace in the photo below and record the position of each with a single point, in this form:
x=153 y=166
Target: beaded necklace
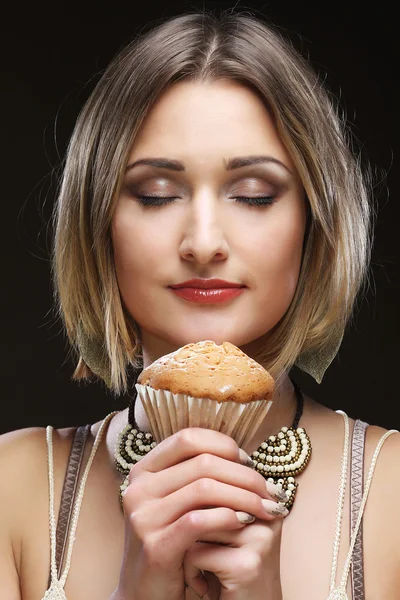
x=279 y=459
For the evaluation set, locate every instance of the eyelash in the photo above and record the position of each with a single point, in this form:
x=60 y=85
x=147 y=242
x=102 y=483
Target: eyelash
x=147 y=201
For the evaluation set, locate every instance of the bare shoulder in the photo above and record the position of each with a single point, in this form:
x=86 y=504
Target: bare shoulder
x=24 y=481
x=382 y=517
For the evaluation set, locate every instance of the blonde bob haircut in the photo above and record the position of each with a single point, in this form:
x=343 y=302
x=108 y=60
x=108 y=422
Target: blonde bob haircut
x=202 y=46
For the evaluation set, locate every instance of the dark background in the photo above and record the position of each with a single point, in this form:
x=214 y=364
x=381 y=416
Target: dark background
x=53 y=55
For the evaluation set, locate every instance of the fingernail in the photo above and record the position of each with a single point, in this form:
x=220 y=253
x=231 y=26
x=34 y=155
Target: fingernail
x=274 y=508
x=276 y=492
x=245 y=458
x=244 y=517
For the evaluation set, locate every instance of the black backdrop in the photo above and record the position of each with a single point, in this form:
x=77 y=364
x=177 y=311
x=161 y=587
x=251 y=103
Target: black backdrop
x=52 y=58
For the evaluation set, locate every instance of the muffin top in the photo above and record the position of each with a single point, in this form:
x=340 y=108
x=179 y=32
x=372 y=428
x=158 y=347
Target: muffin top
x=208 y=370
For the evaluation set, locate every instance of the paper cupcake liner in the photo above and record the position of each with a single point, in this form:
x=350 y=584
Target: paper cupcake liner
x=169 y=413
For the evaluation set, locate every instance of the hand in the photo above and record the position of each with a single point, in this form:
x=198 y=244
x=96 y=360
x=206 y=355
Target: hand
x=189 y=488
x=245 y=564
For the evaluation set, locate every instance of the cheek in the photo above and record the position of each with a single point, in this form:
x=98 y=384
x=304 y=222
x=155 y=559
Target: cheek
x=137 y=247
x=279 y=254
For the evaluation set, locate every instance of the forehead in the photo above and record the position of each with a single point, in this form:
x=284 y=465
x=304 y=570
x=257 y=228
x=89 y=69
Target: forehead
x=203 y=121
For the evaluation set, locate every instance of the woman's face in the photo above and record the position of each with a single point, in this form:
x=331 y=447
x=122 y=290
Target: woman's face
x=205 y=231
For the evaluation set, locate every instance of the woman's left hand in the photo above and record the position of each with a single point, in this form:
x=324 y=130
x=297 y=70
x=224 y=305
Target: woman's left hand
x=239 y=565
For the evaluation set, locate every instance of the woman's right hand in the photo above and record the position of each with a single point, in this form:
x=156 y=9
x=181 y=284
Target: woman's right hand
x=193 y=470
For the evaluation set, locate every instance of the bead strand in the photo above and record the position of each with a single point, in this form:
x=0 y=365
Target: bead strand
x=282 y=457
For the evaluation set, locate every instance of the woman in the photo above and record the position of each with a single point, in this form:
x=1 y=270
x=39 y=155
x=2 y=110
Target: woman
x=207 y=151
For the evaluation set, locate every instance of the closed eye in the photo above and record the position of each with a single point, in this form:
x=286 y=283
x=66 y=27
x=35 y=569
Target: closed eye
x=251 y=201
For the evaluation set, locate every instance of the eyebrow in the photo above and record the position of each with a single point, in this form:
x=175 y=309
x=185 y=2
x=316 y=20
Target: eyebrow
x=231 y=164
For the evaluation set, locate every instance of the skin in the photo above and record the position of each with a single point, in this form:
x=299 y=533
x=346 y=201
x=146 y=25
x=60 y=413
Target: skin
x=205 y=232
x=209 y=233
x=152 y=547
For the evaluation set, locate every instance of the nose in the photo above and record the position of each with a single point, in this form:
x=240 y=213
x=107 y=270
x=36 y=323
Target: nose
x=204 y=235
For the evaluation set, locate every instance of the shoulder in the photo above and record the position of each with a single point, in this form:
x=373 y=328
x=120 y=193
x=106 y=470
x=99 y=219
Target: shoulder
x=382 y=517
x=24 y=479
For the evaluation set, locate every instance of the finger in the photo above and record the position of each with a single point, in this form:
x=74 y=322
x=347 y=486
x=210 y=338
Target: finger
x=258 y=534
x=208 y=465
x=195 y=579
x=170 y=543
x=220 y=560
x=185 y=444
x=205 y=493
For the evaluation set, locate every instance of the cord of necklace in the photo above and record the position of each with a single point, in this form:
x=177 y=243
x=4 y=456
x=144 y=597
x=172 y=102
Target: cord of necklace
x=340 y=504
x=77 y=504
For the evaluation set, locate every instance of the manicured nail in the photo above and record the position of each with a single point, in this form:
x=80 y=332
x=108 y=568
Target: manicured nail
x=276 y=492
x=275 y=509
x=245 y=458
x=244 y=517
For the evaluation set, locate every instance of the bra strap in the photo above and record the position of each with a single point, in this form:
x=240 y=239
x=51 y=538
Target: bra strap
x=356 y=489
x=69 y=492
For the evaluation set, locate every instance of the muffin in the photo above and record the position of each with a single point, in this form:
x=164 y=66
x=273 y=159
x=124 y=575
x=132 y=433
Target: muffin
x=206 y=385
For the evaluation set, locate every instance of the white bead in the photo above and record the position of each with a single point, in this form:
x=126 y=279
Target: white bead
x=282 y=448
x=300 y=430
x=260 y=466
x=270 y=480
x=281 y=435
x=269 y=458
x=287 y=468
x=141 y=448
x=262 y=456
x=154 y=444
x=272 y=438
x=270 y=449
x=289 y=493
x=130 y=436
x=266 y=467
x=280 y=468
x=276 y=458
x=282 y=458
x=290 y=486
x=264 y=446
x=255 y=454
x=280 y=481
x=273 y=469
x=284 y=429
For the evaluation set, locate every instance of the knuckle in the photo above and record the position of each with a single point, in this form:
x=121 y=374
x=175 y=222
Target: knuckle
x=186 y=439
x=133 y=518
x=193 y=520
x=204 y=486
x=206 y=462
x=149 y=552
x=135 y=523
x=251 y=564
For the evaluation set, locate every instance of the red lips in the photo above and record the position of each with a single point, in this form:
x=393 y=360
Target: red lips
x=207 y=291
x=206 y=284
